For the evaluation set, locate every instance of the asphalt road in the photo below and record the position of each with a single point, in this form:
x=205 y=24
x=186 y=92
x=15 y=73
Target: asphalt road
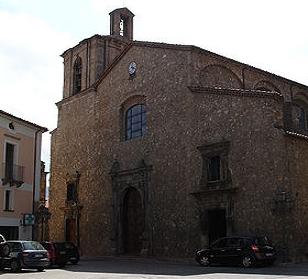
x=113 y=268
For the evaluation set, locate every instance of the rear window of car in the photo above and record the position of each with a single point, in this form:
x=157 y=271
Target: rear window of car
x=32 y=245
x=262 y=241
x=60 y=245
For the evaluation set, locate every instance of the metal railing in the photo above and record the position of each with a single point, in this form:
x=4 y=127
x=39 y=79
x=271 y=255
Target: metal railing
x=12 y=174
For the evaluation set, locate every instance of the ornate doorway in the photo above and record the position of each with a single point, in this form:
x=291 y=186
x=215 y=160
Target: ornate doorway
x=133 y=222
x=131 y=232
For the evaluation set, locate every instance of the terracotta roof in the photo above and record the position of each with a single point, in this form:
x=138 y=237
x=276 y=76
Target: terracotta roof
x=27 y=123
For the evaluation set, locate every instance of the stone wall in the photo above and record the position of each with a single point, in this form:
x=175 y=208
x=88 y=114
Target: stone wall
x=89 y=139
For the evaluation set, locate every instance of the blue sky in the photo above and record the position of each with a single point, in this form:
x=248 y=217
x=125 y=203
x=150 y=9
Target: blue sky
x=269 y=34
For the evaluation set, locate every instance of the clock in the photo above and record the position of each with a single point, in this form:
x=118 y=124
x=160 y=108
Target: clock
x=132 y=67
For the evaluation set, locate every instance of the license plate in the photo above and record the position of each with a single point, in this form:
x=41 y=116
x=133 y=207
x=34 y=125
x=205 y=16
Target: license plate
x=39 y=256
x=62 y=252
x=268 y=254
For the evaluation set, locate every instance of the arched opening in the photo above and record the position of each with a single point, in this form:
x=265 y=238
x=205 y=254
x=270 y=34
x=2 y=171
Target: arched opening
x=77 y=76
x=133 y=222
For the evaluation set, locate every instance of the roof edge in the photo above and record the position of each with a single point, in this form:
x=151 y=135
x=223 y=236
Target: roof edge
x=28 y=123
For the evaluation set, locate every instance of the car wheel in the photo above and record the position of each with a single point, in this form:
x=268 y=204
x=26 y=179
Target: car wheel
x=40 y=269
x=247 y=261
x=204 y=260
x=15 y=266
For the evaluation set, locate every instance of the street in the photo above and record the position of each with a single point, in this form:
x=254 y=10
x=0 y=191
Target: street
x=150 y=268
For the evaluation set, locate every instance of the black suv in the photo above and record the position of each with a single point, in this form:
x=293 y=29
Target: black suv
x=246 y=251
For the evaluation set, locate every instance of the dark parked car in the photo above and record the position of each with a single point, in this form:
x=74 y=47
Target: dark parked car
x=25 y=254
x=72 y=252
x=4 y=248
x=57 y=253
x=246 y=251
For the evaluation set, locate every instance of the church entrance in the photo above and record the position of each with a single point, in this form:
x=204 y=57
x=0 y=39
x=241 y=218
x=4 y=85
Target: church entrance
x=217 y=224
x=133 y=222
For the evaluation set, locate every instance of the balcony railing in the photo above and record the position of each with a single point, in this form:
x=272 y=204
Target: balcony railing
x=12 y=174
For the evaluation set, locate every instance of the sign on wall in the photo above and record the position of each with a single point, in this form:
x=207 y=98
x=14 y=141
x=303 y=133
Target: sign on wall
x=28 y=219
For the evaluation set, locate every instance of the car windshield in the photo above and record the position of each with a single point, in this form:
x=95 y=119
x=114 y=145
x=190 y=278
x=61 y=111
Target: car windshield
x=32 y=245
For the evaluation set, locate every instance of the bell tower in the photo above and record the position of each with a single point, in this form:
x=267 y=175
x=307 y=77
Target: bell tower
x=121 y=23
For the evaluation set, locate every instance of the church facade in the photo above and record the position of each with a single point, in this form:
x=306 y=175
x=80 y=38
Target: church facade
x=160 y=149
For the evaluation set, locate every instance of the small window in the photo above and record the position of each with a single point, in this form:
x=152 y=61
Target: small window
x=77 y=76
x=8 y=200
x=9 y=161
x=71 y=194
x=215 y=167
x=135 y=122
x=303 y=119
x=214 y=172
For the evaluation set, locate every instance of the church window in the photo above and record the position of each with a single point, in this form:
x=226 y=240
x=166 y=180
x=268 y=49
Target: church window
x=214 y=171
x=303 y=119
x=71 y=194
x=77 y=76
x=135 y=122
x=8 y=200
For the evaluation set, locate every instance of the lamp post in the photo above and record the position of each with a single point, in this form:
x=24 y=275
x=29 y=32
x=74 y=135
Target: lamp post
x=43 y=215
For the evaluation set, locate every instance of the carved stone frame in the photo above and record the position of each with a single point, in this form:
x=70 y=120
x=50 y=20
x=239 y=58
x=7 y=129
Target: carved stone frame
x=122 y=180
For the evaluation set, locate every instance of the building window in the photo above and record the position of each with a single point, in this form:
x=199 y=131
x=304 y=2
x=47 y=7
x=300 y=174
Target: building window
x=77 y=76
x=215 y=169
x=303 y=119
x=8 y=200
x=135 y=122
x=71 y=194
x=9 y=161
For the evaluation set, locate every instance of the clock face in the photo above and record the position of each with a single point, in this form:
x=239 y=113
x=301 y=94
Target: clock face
x=132 y=68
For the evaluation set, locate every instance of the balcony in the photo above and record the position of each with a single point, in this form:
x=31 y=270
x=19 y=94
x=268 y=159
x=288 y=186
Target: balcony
x=12 y=175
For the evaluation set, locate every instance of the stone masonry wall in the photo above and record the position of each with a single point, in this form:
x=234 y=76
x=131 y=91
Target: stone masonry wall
x=88 y=140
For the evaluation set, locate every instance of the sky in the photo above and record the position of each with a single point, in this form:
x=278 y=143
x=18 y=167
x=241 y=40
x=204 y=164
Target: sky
x=268 y=34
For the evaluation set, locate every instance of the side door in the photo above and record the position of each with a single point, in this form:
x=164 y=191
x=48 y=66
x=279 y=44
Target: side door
x=233 y=250
x=218 y=250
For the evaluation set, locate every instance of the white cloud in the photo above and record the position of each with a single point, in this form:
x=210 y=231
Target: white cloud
x=31 y=70
x=267 y=34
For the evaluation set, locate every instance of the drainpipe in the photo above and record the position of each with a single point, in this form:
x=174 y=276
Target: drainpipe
x=34 y=179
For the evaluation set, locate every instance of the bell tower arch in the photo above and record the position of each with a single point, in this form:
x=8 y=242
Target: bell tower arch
x=121 y=23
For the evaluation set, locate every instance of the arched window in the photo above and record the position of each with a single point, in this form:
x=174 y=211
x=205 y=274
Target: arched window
x=77 y=76
x=135 y=122
x=303 y=119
